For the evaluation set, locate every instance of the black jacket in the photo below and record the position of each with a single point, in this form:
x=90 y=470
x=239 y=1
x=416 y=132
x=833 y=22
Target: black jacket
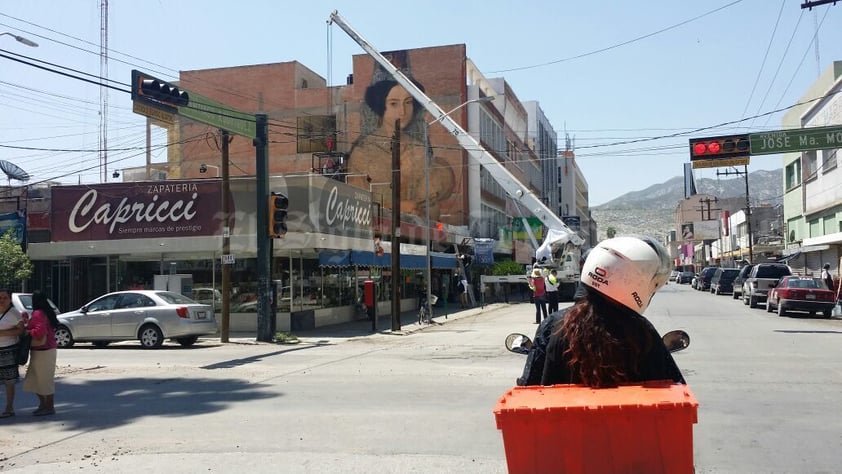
x=656 y=364
x=534 y=368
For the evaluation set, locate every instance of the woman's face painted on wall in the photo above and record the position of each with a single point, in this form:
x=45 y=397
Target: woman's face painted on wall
x=399 y=105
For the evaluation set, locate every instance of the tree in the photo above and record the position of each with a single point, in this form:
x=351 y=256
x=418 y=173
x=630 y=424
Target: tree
x=610 y=232
x=507 y=267
x=15 y=265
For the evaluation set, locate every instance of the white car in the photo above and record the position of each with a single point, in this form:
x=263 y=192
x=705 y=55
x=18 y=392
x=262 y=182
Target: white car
x=23 y=303
x=149 y=316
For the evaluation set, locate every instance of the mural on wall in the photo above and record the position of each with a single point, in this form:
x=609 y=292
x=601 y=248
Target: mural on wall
x=382 y=102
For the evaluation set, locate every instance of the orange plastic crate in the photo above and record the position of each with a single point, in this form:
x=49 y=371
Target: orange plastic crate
x=577 y=429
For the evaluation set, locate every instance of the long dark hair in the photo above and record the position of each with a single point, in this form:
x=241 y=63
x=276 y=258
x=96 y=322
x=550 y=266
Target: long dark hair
x=604 y=341
x=39 y=301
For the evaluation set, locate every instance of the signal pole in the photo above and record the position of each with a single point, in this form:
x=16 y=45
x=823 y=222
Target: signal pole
x=744 y=173
x=396 y=227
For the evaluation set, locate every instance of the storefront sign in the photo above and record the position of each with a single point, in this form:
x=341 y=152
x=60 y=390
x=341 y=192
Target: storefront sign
x=337 y=208
x=136 y=210
x=14 y=222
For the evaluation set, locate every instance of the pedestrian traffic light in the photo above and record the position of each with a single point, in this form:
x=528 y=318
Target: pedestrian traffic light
x=729 y=146
x=278 y=205
x=156 y=92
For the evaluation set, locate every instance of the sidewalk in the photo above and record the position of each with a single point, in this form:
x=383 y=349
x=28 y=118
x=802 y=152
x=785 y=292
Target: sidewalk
x=408 y=325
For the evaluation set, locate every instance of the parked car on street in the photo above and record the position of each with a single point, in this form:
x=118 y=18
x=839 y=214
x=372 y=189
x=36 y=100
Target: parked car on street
x=761 y=278
x=149 y=316
x=703 y=280
x=208 y=296
x=739 y=280
x=686 y=277
x=23 y=303
x=723 y=280
x=674 y=275
x=794 y=293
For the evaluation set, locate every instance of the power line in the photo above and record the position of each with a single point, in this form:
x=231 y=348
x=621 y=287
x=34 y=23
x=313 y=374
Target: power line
x=765 y=55
x=608 y=48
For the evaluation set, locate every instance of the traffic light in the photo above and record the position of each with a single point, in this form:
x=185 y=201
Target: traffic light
x=278 y=205
x=729 y=146
x=157 y=92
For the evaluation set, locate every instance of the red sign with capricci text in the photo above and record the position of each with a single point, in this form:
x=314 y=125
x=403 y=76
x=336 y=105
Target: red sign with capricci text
x=136 y=210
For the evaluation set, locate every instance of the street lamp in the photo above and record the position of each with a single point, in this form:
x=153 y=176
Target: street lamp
x=203 y=168
x=21 y=39
x=427 y=159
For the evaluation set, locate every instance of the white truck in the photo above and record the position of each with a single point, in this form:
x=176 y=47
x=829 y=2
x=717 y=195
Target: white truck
x=562 y=246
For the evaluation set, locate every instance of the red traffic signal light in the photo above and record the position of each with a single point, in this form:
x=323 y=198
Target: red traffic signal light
x=278 y=206
x=730 y=146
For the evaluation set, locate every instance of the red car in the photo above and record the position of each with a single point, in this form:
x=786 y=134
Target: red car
x=794 y=293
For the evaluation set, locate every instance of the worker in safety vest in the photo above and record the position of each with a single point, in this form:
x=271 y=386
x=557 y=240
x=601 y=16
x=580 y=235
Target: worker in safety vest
x=552 y=292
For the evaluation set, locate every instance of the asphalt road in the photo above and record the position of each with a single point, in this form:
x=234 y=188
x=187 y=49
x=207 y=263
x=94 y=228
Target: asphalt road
x=345 y=400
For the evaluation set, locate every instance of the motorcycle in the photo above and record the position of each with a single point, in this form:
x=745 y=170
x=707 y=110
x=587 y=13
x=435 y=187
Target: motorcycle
x=674 y=341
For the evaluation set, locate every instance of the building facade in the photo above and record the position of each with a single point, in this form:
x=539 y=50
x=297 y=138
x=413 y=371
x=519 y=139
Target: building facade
x=331 y=148
x=812 y=182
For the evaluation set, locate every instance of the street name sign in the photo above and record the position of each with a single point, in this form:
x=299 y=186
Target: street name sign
x=798 y=139
x=213 y=113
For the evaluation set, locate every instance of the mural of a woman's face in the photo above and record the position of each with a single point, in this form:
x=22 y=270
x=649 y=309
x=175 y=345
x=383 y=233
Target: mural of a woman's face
x=399 y=105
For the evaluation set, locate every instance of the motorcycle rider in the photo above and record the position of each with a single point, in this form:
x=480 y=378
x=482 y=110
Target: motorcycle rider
x=534 y=367
x=618 y=279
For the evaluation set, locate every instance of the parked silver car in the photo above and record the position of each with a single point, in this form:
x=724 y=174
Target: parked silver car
x=147 y=315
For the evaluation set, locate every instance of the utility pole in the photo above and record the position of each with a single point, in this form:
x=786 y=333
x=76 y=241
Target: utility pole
x=226 y=242
x=396 y=227
x=708 y=201
x=744 y=173
x=815 y=3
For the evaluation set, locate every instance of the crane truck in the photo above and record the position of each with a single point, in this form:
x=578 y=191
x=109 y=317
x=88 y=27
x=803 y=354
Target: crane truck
x=562 y=246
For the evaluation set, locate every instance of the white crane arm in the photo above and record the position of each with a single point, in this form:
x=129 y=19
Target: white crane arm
x=561 y=234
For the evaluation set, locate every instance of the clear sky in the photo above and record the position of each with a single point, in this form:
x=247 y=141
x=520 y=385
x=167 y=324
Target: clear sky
x=603 y=72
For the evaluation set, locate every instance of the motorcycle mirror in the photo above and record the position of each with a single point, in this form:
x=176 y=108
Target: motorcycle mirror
x=518 y=343
x=676 y=340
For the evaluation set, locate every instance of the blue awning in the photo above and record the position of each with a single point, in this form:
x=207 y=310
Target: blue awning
x=364 y=258
x=335 y=258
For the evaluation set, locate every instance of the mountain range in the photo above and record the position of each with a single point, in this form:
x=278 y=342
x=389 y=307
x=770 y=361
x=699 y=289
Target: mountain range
x=650 y=211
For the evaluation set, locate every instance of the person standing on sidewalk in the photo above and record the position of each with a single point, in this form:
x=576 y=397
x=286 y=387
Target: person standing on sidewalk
x=11 y=328
x=827 y=277
x=552 y=291
x=539 y=295
x=41 y=373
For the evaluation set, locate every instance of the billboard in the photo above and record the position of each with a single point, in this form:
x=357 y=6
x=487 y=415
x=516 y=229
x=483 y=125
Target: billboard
x=706 y=230
x=16 y=223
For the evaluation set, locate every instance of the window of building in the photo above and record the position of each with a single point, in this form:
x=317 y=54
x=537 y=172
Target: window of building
x=827 y=225
x=793 y=175
x=810 y=165
x=814 y=227
x=829 y=161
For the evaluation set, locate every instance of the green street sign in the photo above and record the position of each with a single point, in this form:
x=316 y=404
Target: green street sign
x=215 y=114
x=798 y=139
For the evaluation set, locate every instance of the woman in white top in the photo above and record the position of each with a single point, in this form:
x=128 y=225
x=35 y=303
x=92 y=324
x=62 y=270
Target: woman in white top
x=11 y=327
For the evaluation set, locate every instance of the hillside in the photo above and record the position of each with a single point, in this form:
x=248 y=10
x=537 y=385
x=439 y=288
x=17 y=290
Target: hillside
x=650 y=211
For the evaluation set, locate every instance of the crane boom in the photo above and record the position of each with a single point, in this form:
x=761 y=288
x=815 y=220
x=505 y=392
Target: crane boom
x=558 y=231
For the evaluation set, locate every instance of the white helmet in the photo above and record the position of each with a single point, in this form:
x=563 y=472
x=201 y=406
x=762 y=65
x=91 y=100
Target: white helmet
x=628 y=270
